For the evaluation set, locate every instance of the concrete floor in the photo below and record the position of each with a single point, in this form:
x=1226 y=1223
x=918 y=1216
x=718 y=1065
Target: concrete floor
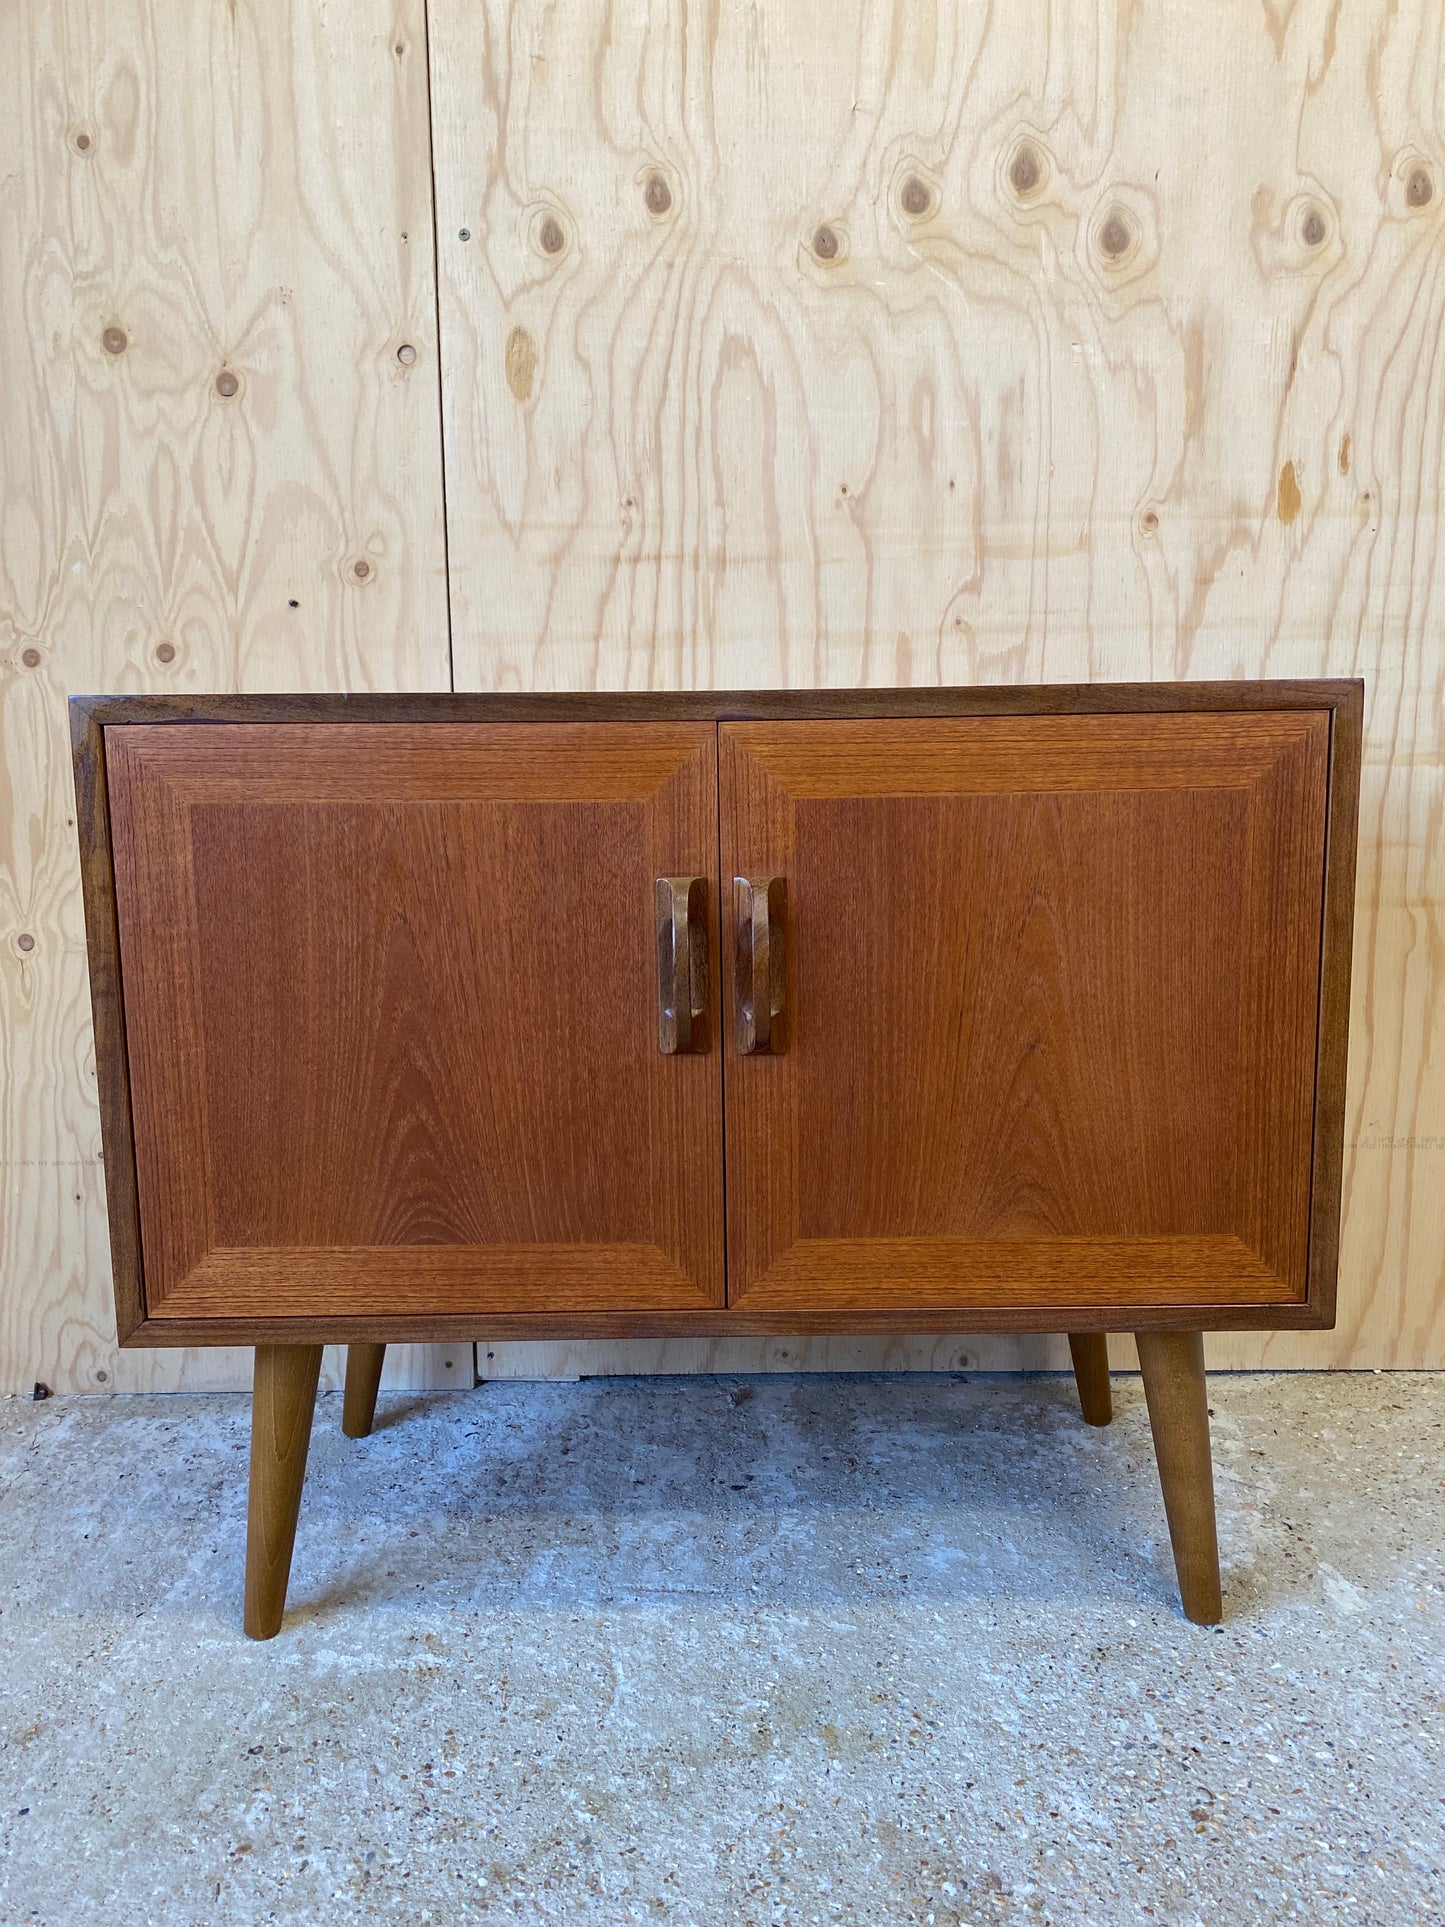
x=697 y=1650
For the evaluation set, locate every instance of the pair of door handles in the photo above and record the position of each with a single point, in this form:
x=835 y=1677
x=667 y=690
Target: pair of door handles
x=758 y=911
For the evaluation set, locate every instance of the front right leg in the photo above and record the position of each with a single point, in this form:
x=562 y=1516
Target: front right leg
x=283 y=1400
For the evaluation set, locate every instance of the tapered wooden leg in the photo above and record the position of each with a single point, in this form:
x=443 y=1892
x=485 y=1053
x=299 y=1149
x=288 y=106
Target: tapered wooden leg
x=283 y=1399
x=1173 y=1366
x=363 y=1375
x=1090 y=1353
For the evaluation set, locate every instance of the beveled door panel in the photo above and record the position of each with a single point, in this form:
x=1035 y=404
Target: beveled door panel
x=1052 y=999
x=391 y=1014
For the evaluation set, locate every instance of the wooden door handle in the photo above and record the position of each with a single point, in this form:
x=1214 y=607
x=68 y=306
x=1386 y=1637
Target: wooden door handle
x=681 y=904
x=759 y=904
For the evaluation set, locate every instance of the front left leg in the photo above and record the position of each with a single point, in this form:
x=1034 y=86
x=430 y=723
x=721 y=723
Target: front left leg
x=283 y=1400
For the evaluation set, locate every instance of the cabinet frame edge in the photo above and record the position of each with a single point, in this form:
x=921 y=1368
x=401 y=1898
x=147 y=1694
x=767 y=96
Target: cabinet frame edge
x=91 y=715
x=112 y=1062
x=1337 y=933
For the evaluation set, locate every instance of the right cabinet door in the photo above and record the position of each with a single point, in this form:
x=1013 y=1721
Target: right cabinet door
x=1049 y=993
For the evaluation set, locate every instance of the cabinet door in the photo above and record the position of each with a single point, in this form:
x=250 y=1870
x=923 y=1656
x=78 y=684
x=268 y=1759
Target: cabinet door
x=1049 y=1017
x=392 y=1022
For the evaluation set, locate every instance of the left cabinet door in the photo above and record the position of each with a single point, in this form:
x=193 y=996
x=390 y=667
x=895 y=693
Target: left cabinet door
x=391 y=1016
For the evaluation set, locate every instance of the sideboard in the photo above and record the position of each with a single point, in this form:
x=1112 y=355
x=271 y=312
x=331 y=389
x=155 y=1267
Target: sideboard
x=434 y=1016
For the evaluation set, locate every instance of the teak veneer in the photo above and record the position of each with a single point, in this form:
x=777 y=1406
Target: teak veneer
x=993 y=1009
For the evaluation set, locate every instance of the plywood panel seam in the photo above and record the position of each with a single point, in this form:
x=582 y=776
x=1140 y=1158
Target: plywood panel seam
x=440 y=348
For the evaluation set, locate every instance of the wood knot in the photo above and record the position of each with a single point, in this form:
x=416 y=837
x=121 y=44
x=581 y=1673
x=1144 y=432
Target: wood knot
x=550 y=238
x=1419 y=188
x=657 y=195
x=227 y=384
x=1287 y=503
x=82 y=141
x=32 y=658
x=1116 y=234
x=361 y=569
x=25 y=941
x=1313 y=228
x=165 y=652
x=825 y=243
x=916 y=197
x=114 y=340
x=406 y=354
x=1026 y=170
x=520 y=361
x=1149 y=522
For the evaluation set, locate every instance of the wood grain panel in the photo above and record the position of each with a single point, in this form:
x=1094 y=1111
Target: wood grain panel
x=987 y=443
x=1053 y=1043
x=876 y=1273
x=390 y=1008
x=1032 y=756
x=234 y=766
x=541 y=1358
x=218 y=470
x=1218 y=453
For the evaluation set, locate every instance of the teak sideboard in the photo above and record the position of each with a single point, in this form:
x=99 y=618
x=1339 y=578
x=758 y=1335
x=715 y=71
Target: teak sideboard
x=429 y=1016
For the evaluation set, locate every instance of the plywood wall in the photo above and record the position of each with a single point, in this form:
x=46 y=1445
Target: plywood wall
x=838 y=341
x=782 y=343
x=218 y=470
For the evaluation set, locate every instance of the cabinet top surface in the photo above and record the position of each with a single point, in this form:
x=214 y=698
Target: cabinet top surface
x=720 y=705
